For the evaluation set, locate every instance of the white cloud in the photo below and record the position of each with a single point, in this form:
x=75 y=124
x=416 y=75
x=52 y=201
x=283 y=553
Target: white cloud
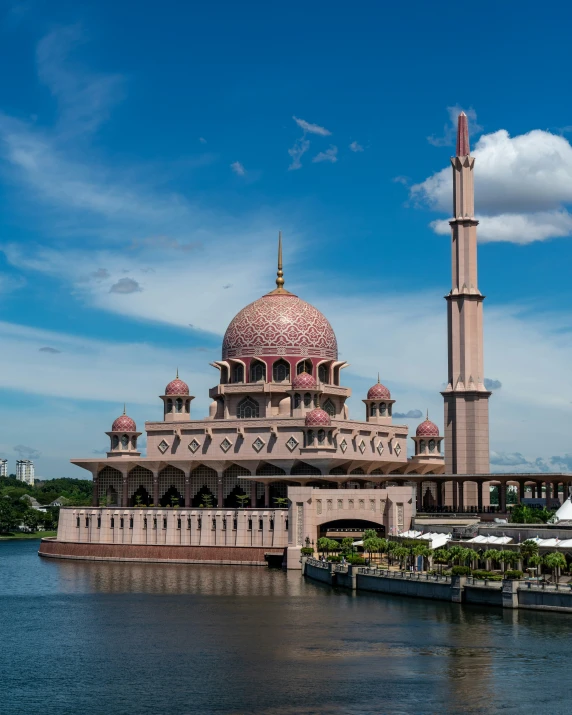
x=330 y=155
x=450 y=129
x=311 y=128
x=238 y=168
x=202 y=140
x=522 y=187
x=354 y=146
x=300 y=147
x=302 y=144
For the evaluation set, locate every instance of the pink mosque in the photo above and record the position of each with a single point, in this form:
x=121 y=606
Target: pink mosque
x=278 y=461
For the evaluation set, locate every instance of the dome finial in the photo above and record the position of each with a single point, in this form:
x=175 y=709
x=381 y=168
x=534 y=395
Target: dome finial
x=124 y=409
x=279 y=272
x=378 y=380
x=427 y=415
x=177 y=374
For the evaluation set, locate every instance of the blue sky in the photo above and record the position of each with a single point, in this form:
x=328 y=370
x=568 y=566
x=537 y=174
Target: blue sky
x=149 y=153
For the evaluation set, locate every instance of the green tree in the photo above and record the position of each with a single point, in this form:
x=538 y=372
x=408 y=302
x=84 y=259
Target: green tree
x=281 y=502
x=206 y=501
x=441 y=556
x=528 y=549
x=555 y=561
x=347 y=545
x=401 y=553
x=9 y=518
x=371 y=545
x=535 y=560
x=369 y=534
x=30 y=519
x=424 y=551
x=242 y=500
x=492 y=555
x=508 y=558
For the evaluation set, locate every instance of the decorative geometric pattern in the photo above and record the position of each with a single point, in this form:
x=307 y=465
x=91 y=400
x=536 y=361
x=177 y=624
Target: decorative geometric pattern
x=343 y=445
x=124 y=424
x=177 y=387
x=378 y=392
x=292 y=444
x=427 y=429
x=258 y=444
x=163 y=446
x=226 y=444
x=280 y=325
x=380 y=449
x=397 y=449
x=194 y=445
x=303 y=381
x=317 y=417
x=362 y=446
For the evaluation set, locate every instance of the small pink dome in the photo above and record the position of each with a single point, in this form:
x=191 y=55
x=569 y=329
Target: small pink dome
x=427 y=429
x=318 y=418
x=177 y=387
x=378 y=392
x=303 y=381
x=124 y=424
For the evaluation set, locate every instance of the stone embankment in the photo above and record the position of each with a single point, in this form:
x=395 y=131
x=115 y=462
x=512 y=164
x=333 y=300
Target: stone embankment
x=459 y=589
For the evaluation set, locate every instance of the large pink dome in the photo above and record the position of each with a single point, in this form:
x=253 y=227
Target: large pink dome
x=427 y=429
x=124 y=424
x=280 y=324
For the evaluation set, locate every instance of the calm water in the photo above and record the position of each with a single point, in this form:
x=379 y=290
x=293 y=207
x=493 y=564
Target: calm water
x=126 y=638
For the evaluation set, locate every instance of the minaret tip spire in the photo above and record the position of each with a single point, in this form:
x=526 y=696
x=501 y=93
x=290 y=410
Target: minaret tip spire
x=124 y=409
x=280 y=272
x=463 y=146
x=177 y=374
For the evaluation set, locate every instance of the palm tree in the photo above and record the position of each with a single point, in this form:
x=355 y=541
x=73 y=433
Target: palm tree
x=281 y=502
x=424 y=551
x=528 y=549
x=382 y=546
x=508 y=557
x=370 y=545
x=555 y=562
x=242 y=499
x=323 y=544
x=441 y=556
x=492 y=555
x=535 y=560
x=401 y=553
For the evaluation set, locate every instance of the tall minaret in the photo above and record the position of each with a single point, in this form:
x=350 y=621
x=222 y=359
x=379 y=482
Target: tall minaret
x=466 y=398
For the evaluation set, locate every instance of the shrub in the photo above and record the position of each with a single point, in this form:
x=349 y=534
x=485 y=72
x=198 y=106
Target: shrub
x=483 y=574
x=355 y=560
x=513 y=575
x=460 y=571
x=335 y=559
x=307 y=551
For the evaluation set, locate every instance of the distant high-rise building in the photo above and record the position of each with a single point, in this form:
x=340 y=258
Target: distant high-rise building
x=3 y=467
x=25 y=471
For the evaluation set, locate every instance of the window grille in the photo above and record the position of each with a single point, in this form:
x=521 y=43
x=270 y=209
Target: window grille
x=247 y=409
x=281 y=371
x=323 y=373
x=257 y=371
x=238 y=373
x=329 y=407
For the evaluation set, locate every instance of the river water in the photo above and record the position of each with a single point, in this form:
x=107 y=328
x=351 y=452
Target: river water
x=105 y=638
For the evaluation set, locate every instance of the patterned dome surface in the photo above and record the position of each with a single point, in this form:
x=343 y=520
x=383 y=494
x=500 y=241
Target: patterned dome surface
x=378 y=391
x=124 y=424
x=280 y=325
x=303 y=381
x=318 y=418
x=427 y=429
x=177 y=387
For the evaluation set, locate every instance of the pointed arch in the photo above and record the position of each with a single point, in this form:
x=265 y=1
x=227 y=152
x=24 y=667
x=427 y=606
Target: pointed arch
x=247 y=409
x=257 y=371
x=305 y=366
x=281 y=371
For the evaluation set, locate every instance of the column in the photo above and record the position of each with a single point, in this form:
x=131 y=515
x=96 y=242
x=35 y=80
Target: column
x=455 y=495
x=187 y=490
x=522 y=490
x=555 y=493
x=539 y=490
x=125 y=494
x=461 y=486
x=439 y=493
x=267 y=495
x=253 y=494
x=502 y=497
x=548 y=491
x=480 y=496
x=95 y=490
x=155 y=489
x=419 y=495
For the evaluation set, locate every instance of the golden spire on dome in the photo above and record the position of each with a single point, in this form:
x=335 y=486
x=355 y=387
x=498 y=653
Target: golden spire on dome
x=279 y=273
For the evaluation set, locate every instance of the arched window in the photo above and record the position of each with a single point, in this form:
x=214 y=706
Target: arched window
x=323 y=373
x=422 y=445
x=304 y=366
x=134 y=442
x=373 y=410
x=238 y=373
x=297 y=400
x=247 y=409
x=383 y=409
x=280 y=371
x=257 y=371
x=223 y=375
x=125 y=441
x=115 y=441
x=310 y=437
x=321 y=436
x=307 y=400
x=431 y=445
x=179 y=404
x=188 y=406
x=329 y=407
x=169 y=405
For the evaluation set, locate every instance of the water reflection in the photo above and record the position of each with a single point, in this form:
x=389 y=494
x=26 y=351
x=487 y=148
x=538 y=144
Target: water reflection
x=155 y=638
